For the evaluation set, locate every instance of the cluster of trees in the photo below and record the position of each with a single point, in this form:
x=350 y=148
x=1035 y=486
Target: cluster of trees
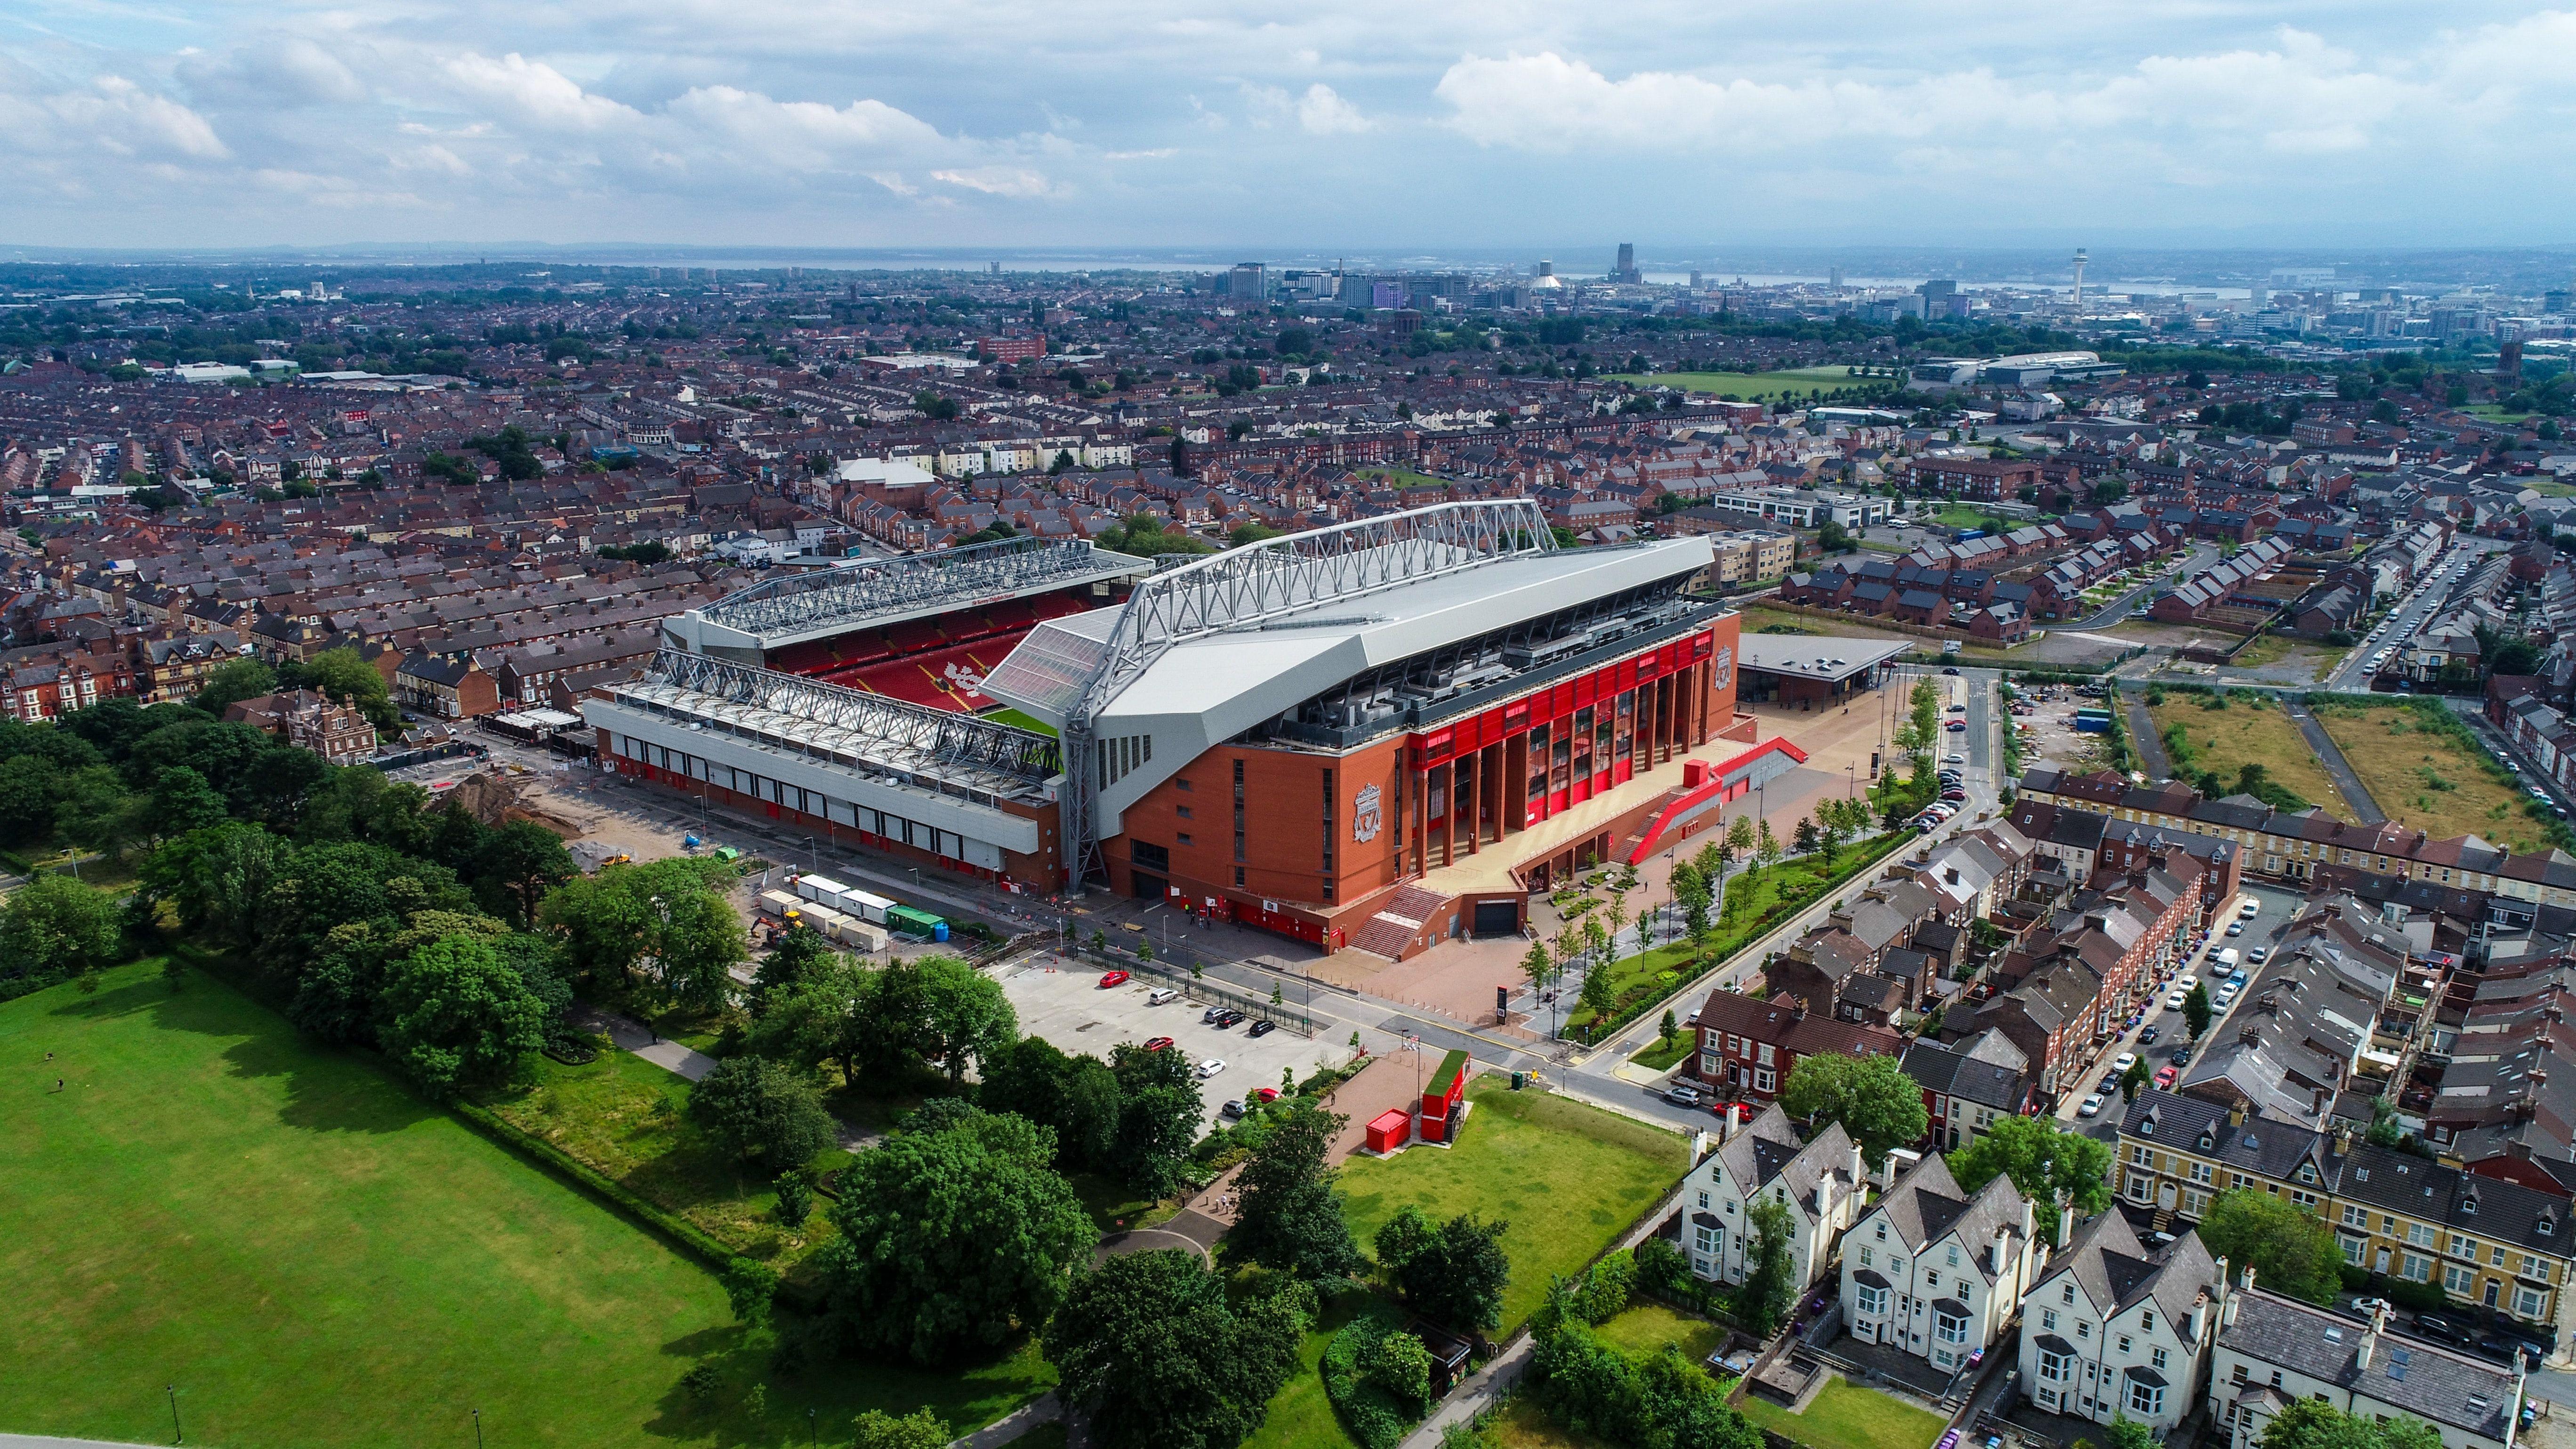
x=1879 y=1106
x=1656 y=1401
x=1452 y=1273
x=1143 y=536
x=2049 y=1166
x=338 y=673
x=2291 y=1250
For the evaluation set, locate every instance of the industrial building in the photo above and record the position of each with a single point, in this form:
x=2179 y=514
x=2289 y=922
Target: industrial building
x=1375 y=734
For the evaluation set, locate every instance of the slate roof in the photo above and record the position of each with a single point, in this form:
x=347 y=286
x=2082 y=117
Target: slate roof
x=2116 y=1271
x=2421 y=1378
x=1927 y=1205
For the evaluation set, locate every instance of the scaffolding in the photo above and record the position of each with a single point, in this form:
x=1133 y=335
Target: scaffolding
x=1247 y=586
x=800 y=603
x=891 y=730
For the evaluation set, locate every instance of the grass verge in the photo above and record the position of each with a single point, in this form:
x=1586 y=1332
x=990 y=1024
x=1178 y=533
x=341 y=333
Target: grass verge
x=1647 y=1327
x=2426 y=771
x=1567 y=1178
x=2252 y=729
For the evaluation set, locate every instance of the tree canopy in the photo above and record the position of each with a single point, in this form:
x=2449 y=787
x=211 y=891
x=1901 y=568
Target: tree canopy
x=1876 y=1102
x=1149 y=1346
x=951 y=1241
x=2044 y=1162
x=1291 y=1218
x=2290 y=1249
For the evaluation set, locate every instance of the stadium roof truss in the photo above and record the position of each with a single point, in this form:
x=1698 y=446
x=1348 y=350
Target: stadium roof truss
x=806 y=601
x=1245 y=587
x=868 y=724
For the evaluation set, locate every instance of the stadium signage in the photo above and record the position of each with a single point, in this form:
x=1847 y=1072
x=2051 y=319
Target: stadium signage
x=1366 y=817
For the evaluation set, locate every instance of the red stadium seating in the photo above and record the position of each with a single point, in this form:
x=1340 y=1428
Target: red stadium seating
x=911 y=660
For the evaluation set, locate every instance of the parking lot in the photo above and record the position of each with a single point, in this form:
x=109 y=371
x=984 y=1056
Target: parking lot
x=1062 y=1002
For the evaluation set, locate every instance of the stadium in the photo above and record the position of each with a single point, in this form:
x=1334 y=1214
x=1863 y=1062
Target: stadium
x=1376 y=734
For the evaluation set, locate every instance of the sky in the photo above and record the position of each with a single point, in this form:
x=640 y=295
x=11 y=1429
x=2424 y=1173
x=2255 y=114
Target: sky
x=1490 y=124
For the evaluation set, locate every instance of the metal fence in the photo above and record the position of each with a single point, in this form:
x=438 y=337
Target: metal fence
x=1290 y=1015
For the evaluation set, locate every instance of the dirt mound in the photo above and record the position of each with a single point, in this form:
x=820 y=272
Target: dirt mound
x=496 y=798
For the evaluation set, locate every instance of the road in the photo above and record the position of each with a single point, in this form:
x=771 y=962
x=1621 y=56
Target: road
x=2330 y=756
x=2200 y=557
x=2277 y=906
x=1594 y=1072
x=2354 y=673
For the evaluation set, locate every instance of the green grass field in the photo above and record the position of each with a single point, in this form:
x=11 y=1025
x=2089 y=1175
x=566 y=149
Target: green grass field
x=1647 y=1327
x=1567 y=1178
x=1758 y=386
x=1301 y=1417
x=1028 y=722
x=1845 y=1416
x=314 y=1257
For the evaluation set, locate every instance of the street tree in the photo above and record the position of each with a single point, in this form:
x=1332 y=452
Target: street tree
x=1762 y=1303
x=965 y=1013
x=2196 y=1010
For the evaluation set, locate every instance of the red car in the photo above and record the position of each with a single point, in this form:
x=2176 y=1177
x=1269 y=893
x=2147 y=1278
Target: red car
x=1112 y=978
x=1268 y=1094
x=2165 y=1077
x=1156 y=1044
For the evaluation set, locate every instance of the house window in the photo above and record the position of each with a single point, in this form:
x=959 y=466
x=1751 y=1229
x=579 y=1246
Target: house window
x=1872 y=1301
x=2464 y=1247
x=1949 y=1329
x=2124 y=1343
x=2069 y=1295
x=2146 y=1398
x=1931 y=1280
x=2354 y=1217
x=2238 y=1377
x=2052 y=1366
x=1954 y=1255
x=2415 y=1269
x=2139 y=1187
x=2157 y=1358
x=2419 y=1234
x=2083 y=1328
x=1703 y=1200
x=1709 y=1242
x=1764 y=1079
x=1864 y=1255
x=2530 y=1303
x=2458 y=1279
x=2352 y=1248
x=1764 y=1055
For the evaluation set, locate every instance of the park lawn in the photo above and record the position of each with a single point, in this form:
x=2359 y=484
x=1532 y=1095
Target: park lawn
x=1846 y=1416
x=1760 y=386
x=2252 y=730
x=1960 y=515
x=1395 y=477
x=627 y=1118
x=1644 y=1328
x=1661 y=1055
x=1028 y=722
x=2429 y=779
x=1567 y=1177
x=316 y=1257
x=1519 y=1423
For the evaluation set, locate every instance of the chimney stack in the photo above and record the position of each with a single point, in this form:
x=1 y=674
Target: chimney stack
x=2065 y=1219
x=2002 y=1245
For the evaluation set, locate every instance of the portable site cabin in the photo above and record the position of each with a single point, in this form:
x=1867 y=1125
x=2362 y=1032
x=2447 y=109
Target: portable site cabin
x=869 y=908
x=1390 y=1129
x=1444 y=1095
x=909 y=922
x=821 y=891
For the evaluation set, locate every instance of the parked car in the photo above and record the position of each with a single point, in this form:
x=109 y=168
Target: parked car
x=2250 y=909
x=1158 y=1043
x=1160 y=994
x=1268 y=1094
x=1954 y=759
x=1951 y=672
x=2174 y=999
x=1211 y=1067
x=2124 y=1061
x=2166 y=1076
x=2186 y=981
x=2259 y=955
x=2438 y=1329
x=2181 y=1056
x=1231 y=1110
x=1682 y=1094
x=1957 y=726
x=2368 y=1306
x=1263 y=1027
x=2148 y=1037
x=2091 y=1107
x=1210 y=1015
x=2109 y=1084
x=1113 y=978
x=2236 y=928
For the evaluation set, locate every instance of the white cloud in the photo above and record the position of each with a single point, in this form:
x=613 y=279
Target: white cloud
x=997 y=181
x=536 y=94
x=1323 y=113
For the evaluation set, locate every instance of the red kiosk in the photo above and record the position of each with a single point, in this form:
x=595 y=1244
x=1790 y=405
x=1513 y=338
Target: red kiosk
x=1444 y=1098
x=1389 y=1130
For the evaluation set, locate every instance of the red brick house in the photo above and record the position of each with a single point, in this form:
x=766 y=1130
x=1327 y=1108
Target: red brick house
x=1748 y=1047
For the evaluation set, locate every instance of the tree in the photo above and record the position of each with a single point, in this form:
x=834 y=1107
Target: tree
x=1669 y=1028
x=2291 y=1251
x=755 y=1107
x=343 y=676
x=455 y=1014
x=1291 y=1219
x=1598 y=997
x=1762 y=1303
x=1876 y=1102
x=522 y=860
x=1152 y=1351
x=54 y=926
x=920 y=1429
x=1805 y=838
x=2309 y=1424
x=670 y=913
x=1766 y=846
x=1694 y=899
x=2042 y=1161
x=1159 y=1110
x=1740 y=834
x=2196 y=1010
x=965 y=1013
x=1618 y=916
x=233 y=681
x=1537 y=964
x=952 y=1241
x=750 y=1285
x=1453 y=1274
x=182 y=801
x=2134 y=1080
x=801 y=950
x=2128 y=1433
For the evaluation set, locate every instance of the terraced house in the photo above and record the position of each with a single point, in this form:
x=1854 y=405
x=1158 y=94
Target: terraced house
x=2114 y=1328
x=2294 y=845
x=1821 y=1183
x=1935 y=1270
x=2486 y=1242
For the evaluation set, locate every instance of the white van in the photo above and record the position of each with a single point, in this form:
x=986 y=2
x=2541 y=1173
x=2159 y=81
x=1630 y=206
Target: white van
x=2228 y=958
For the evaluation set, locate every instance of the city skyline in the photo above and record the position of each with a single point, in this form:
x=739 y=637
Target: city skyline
x=895 y=126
